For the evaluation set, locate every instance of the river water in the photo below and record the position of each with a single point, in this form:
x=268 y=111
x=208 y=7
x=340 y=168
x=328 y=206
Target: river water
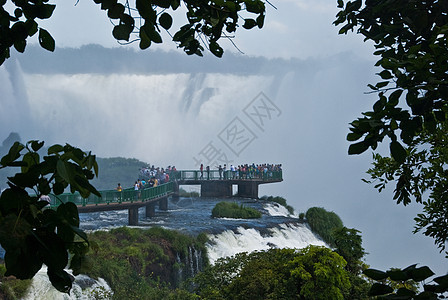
x=276 y=228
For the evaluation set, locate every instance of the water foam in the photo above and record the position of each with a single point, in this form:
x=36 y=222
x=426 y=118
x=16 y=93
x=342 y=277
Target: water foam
x=229 y=243
x=84 y=288
x=275 y=209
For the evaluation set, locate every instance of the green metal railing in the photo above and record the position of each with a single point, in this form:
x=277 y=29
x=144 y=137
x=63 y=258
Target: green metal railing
x=227 y=175
x=113 y=196
x=130 y=195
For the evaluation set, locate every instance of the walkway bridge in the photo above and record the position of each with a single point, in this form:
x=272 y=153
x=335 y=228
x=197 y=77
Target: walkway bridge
x=220 y=184
x=213 y=184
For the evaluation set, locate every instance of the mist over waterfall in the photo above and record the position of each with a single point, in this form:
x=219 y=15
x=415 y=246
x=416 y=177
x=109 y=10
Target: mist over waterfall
x=165 y=108
x=153 y=115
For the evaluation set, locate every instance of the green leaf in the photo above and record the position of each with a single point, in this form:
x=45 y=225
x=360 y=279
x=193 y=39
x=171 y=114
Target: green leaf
x=36 y=145
x=394 y=97
x=249 y=23
x=381 y=84
x=22 y=263
x=255 y=6
x=13 y=154
x=116 y=11
x=260 y=21
x=46 y=41
x=51 y=249
x=397 y=275
x=64 y=170
x=84 y=187
x=14 y=231
x=397 y=152
x=30 y=159
x=76 y=263
x=145 y=41
x=68 y=212
x=55 y=149
x=31 y=27
x=216 y=49
x=60 y=279
x=385 y=74
x=127 y=20
x=151 y=32
x=166 y=21
x=80 y=233
x=145 y=10
x=420 y=274
x=58 y=188
x=108 y=4
x=375 y=274
x=122 y=32
x=175 y=4
x=45 y=11
x=378 y=289
x=357 y=148
x=442 y=280
x=19 y=31
x=17 y=12
x=20 y=45
x=351 y=137
x=161 y=3
x=28 y=179
x=404 y=292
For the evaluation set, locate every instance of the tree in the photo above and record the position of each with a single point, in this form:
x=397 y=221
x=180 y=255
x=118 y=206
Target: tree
x=411 y=42
x=320 y=273
x=207 y=22
x=348 y=244
x=32 y=234
x=323 y=223
x=310 y=273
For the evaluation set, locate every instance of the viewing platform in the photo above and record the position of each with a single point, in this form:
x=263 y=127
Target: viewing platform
x=220 y=184
x=213 y=184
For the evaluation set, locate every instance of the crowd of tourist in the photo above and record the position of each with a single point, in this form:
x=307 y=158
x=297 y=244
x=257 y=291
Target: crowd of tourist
x=244 y=171
x=152 y=176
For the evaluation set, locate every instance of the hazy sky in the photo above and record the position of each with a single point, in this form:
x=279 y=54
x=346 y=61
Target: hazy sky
x=170 y=118
x=297 y=28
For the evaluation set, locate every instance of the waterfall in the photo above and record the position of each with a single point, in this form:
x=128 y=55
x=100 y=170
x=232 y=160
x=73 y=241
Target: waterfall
x=193 y=262
x=275 y=209
x=229 y=243
x=84 y=288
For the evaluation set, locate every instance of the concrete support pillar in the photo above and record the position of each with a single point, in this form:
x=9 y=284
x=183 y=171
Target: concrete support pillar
x=163 y=203
x=133 y=216
x=248 y=190
x=150 y=210
x=175 y=194
x=216 y=189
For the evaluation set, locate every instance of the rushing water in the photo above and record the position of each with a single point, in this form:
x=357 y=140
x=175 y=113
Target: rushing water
x=276 y=228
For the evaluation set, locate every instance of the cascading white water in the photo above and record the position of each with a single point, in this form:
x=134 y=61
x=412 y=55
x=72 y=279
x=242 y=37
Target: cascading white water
x=229 y=243
x=84 y=288
x=275 y=209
